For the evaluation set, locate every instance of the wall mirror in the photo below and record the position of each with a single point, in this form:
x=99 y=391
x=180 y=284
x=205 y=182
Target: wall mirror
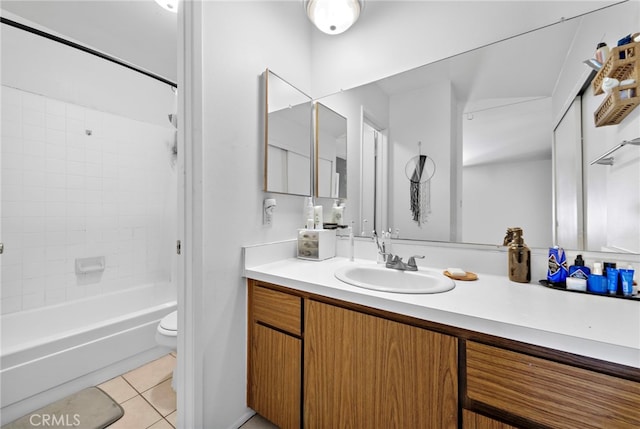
x=486 y=119
x=287 y=144
x=331 y=153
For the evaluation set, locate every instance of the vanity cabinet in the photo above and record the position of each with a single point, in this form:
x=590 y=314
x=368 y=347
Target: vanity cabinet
x=316 y=362
x=359 y=370
x=363 y=371
x=548 y=393
x=275 y=356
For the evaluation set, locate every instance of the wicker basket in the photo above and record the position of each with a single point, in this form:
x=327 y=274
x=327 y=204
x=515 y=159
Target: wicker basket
x=614 y=108
x=618 y=68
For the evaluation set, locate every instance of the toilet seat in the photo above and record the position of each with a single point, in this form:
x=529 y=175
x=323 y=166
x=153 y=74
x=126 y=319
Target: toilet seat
x=169 y=325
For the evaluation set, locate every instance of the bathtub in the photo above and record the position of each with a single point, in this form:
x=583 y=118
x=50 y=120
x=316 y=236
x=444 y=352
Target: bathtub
x=50 y=352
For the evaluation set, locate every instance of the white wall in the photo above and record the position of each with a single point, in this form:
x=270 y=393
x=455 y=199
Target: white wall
x=87 y=170
x=421 y=116
x=485 y=214
x=386 y=41
x=239 y=41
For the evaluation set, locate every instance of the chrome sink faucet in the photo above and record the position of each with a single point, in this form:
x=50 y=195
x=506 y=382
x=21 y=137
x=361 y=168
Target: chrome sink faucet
x=390 y=260
x=396 y=263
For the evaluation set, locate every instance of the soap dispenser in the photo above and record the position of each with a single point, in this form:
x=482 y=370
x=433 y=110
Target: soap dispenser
x=519 y=257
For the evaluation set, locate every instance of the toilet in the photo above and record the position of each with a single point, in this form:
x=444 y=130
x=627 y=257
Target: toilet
x=167 y=336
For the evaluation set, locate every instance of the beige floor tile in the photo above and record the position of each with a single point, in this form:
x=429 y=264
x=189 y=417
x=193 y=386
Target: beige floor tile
x=162 y=424
x=173 y=419
x=258 y=422
x=118 y=389
x=162 y=397
x=137 y=414
x=151 y=374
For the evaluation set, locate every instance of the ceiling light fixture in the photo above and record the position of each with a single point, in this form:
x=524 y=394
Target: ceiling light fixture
x=170 y=5
x=333 y=16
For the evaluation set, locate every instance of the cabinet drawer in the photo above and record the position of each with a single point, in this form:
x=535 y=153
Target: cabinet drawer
x=550 y=393
x=278 y=309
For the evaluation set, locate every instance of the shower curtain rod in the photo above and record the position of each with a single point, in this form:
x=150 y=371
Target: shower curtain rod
x=99 y=54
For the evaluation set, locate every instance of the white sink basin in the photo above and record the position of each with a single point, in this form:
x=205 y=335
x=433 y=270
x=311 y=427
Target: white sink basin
x=378 y=277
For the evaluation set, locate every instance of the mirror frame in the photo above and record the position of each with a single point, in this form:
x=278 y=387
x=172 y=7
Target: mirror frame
x=266 y=74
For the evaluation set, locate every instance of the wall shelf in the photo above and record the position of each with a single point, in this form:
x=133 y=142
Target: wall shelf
x=621 y=64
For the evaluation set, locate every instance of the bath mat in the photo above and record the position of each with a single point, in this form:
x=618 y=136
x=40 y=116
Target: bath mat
x=90 y=408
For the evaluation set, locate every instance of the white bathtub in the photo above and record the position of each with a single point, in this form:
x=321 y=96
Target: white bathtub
x=50 y=352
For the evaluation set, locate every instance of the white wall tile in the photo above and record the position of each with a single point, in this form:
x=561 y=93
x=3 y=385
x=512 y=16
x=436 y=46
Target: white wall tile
x=11 y=176
x=33 y=101
x=33 y=285
x=12 y=160
x=33 y=300
x=11 y=144
x=10 y=97
x=11 y=124
x=34 y=178
x=33 y=132
x=11 y=304
x=56 y=123
x=66 y=194
x=55 y=296
x=33 y=208
x=55 y=180
x=35 y=224
x=55 y=107
x=33 y=117
x=53 y=136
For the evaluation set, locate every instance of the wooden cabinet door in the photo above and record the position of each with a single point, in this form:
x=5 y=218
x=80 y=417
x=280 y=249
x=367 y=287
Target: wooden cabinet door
x=553 y=394
x=362 y=371
x=471 y=420
x=275 y=381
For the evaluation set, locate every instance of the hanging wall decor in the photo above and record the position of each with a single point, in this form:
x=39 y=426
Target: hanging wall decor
x=419 y=170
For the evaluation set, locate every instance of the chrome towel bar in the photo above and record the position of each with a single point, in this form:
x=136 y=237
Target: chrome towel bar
x=605 y=159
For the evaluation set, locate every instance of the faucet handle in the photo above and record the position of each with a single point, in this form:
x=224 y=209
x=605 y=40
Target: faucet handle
x=412 y=260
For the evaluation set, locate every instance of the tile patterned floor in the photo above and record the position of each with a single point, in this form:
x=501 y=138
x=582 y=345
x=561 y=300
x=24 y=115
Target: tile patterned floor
x=146 y=395
x=148 y=400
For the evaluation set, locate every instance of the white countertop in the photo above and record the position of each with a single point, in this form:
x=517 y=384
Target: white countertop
x=593 y=326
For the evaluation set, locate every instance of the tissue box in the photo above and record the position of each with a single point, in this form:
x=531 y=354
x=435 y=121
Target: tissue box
x=316 y=244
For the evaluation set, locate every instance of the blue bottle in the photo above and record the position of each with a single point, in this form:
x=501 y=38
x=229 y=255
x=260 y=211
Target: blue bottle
x=557 y=266
x=578 y=269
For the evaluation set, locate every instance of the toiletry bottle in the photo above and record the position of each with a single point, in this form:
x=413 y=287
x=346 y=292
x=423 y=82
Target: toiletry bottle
x=605 y=269
x=519 y=258
x=336 y=213
x=578 y=269
x=626 y=276
x=597 y=283
x=308 y=211
x=557 y=266
x=602 y=51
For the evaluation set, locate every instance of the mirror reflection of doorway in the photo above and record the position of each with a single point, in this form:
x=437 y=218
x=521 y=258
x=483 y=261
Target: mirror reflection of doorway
x=374 y=162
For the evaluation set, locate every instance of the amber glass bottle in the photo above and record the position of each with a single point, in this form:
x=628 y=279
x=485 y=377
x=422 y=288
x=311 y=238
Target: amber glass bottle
x=519 y=258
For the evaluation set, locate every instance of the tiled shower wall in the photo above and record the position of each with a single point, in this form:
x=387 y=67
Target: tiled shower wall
x=77 y=182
